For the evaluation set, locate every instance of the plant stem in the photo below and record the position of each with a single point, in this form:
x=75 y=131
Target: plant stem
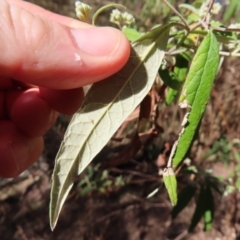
x=176 y=12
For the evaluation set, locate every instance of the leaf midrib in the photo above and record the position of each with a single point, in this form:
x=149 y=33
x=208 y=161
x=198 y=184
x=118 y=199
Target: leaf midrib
x=57 y=205
x=106 y=109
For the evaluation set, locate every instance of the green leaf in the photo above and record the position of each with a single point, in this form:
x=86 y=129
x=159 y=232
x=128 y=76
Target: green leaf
x=131 y=33
x=189 y=7
x=209 y=209
x=197 y=4
x=232 y=8
x=86 y=190
x=106 y=106
x=170 y=79
x=171 y=96
x=184 y=198
x=175 y=19
x=224 y=37
x=192 y=18
x=180 y=69
x=170 y=182
x=196 y=92
x=199 y=211
x=204 y=208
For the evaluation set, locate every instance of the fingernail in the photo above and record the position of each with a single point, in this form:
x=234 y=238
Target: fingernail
x=20 y=153
x=97 y=41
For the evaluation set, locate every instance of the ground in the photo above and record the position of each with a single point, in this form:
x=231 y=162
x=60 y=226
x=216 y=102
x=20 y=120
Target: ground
x=124 y=212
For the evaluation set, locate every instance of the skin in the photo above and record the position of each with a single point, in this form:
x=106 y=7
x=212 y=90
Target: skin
x=45 y=60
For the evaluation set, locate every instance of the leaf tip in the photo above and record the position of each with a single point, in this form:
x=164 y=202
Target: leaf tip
x=52 y=226
x=174 y=202
x=54 y=211
x=53 y=221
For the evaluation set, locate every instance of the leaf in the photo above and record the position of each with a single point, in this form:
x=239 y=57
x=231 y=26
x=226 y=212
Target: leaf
x=204 y=208
x=171 y=96
x=107 y=104
x=232 y=8
x=199 y=211
x=196 y=92
x=184 y=198
x=209 y=209
x=131 y=33
x=170 y=79
x=188 y=7
x=180 y=69
x=170 y=182
x=192 y=18
x=225 y=38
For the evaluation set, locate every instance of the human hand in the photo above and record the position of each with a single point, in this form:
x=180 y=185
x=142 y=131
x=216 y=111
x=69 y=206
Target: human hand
x=45 y=60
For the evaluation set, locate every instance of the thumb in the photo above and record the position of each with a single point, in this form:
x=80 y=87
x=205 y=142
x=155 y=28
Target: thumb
x=37 y=50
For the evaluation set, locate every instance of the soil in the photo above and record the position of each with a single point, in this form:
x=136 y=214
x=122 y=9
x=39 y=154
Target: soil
x=124 y=212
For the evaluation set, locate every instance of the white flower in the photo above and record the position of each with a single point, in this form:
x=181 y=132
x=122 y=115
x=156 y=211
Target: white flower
x=204 y=8
x=116 y=16
x=128 y=18
x=234 y=25
x=83 y=11
x=121 y=19
x=216 y=8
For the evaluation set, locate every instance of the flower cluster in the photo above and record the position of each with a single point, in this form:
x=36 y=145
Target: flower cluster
x=204 y=8
x=234 y=25
x=83 y=11
x=121 y=19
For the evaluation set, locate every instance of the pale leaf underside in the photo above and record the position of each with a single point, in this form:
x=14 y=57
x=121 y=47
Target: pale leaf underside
x=107 y=104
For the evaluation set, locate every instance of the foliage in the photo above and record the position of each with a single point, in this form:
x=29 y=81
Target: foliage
x=187 y=54
x=202 y=186
x=97 y=180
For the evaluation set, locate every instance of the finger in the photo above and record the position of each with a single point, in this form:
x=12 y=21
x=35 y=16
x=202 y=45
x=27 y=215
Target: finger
x=30 y=113
x=43 y=52
x=63 y=101
x=2 y=106
x=17 y=151
x=34 y=9
x=6 y=83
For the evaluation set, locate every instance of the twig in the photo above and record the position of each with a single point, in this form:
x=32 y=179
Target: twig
x=192 y=28
x=236 y=50
x=224 y=29
x=206 y=18
x=228 y=54
x=177 y=13
x=177 y=52
x=134 y=173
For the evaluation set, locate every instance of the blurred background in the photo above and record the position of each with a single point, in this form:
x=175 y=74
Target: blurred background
x=109 y=200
